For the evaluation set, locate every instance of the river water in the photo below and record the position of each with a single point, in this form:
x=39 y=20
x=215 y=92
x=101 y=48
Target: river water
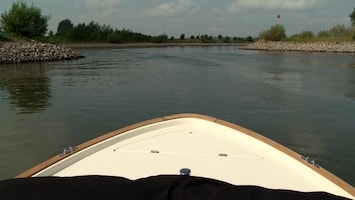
x=305 y=101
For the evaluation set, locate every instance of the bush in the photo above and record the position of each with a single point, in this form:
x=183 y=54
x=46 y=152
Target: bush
x=323 y=34
x=275 y=33
x=24 y=21
x=305 y=36
x=339 y=31
x=308 y=35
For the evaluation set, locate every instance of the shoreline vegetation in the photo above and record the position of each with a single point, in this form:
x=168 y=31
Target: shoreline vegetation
x=24 y=38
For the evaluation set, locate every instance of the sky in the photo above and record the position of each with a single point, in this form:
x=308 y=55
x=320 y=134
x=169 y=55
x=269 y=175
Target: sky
x=234 y=18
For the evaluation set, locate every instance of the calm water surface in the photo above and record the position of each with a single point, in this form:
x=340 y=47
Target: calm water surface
x=304 y=101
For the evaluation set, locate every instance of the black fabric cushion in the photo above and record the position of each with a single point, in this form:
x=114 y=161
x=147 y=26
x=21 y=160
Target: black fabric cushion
x=163 y=187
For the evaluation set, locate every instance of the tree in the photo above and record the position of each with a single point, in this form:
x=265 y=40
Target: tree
x=226 y=39
x=352 y=17
x=94 y=32
x=64 y=28
x=205 y=38
x=339 y=31
x=249 y=39
x=275 y=33
x=182 y=36
x=79 y=32
x=22 y=20
x=114 y=38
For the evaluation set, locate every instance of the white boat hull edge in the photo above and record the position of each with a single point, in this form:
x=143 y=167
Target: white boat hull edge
x=208 y=146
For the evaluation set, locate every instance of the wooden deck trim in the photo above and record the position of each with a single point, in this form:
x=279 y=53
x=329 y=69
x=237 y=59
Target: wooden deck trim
x=325 y=173
x=336 y=180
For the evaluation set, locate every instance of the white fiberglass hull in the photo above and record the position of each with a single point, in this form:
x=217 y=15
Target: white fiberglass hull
x=207 y=146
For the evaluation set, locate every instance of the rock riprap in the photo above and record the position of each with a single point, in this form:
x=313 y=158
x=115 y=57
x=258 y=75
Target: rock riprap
x=331 y=47
x=19 y=52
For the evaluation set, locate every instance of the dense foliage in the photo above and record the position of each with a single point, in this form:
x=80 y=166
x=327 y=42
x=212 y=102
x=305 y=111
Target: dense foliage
x=93 y=32
x=336 y=33
x=22 y=20
x=64 y=28
x=304 y=36
x=182 y=36
x=275 y=33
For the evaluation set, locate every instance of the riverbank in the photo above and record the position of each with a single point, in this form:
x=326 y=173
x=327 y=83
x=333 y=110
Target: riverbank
x=143 y=45
x=330 y=47
x=20 y=52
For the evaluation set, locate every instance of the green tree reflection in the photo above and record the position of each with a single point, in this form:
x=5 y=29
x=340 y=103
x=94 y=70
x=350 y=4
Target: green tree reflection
x=26 y=86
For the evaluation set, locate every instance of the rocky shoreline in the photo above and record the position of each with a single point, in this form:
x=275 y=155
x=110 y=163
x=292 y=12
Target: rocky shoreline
x=330 y=47
x=20 y=52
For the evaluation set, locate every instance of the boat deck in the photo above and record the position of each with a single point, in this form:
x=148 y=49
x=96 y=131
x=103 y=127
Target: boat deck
x=229 y=153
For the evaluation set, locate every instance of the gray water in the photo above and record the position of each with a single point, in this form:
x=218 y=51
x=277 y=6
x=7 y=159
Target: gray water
x=303 y=101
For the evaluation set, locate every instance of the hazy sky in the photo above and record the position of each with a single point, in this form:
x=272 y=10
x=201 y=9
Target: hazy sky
x=191 y=17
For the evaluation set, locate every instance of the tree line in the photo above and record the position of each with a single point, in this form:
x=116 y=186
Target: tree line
x=94 y=32
x=337 y=33
x=27 y=21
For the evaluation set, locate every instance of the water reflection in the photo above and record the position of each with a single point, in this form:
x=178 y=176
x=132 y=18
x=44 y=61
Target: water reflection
x=351 y=81
x=26 y=86
x=351 y=90
x=275 y=71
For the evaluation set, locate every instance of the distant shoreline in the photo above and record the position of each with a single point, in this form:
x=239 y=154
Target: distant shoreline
x=143 y=45
x=327 y=47
x=283 y=46
x=19 y=52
